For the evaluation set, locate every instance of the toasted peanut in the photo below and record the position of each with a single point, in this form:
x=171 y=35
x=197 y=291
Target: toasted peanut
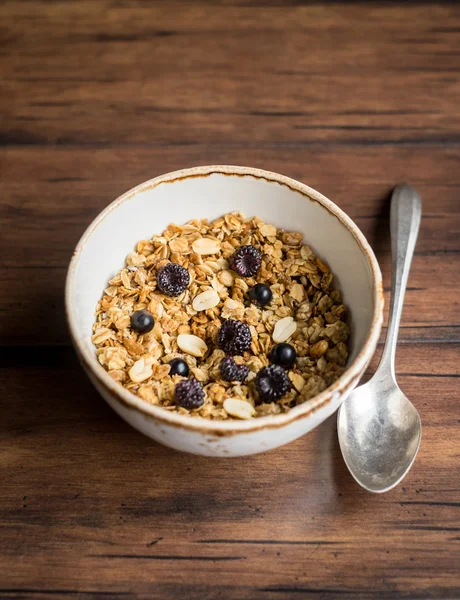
x=239 y=408
x=192 y=344
x=206 y=246
x=140 y=371
x=226 y=277
x=284 y=329
x=208 y=299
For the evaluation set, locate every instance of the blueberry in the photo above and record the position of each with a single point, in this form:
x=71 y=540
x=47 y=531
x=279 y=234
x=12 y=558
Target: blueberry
x=261 y=294
x=142 y=321
x=179 y=367
x=189 y=394
x=283 y=355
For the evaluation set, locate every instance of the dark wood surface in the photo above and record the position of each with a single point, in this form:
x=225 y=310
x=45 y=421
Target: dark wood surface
x=351 y=98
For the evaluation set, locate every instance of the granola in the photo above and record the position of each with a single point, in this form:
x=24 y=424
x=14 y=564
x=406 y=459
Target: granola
x=304 y=311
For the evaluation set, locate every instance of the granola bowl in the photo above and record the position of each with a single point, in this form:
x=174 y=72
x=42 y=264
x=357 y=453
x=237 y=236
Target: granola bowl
x=325 y=299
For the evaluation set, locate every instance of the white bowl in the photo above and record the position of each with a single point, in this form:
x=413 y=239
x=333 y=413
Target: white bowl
x=212 y=191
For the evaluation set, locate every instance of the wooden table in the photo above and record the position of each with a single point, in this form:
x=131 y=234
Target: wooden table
x=99 y=96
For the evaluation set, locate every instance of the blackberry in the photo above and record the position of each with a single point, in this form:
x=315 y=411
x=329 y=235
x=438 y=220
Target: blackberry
x=173 y=279
x=230 y=371
x=272 y=383
x=142 y=321
x=234 y=337
x=246 y=261
x=189 y=394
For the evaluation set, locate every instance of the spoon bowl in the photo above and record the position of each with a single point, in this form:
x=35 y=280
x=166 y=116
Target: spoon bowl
x=379 y=439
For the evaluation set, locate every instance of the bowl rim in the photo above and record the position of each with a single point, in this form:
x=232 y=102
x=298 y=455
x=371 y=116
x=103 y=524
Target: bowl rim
x=215 y=427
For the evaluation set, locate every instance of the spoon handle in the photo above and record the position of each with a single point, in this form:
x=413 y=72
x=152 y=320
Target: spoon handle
x=405 y=216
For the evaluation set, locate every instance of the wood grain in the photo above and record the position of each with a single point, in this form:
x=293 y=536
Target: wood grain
x=81 y=183
x=113 y=511
x=350 y=98
x=278 y=73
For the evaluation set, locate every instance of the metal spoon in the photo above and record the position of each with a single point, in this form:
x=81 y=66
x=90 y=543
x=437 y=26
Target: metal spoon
x=379 y=429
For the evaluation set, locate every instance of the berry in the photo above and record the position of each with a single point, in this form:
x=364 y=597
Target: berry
x=189 y=394
x=272 y=383
x=261 y=294
x=179 y=367
x=142 y=321
x=234 y=337
x=173 y=279
x=246 y=261
x=283 y=355
x=230 y=371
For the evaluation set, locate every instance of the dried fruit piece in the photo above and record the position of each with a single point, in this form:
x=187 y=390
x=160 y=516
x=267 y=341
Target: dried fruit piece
x=192 y=344
x=133 y=347
x=208 y=299
x=239 y=408
x=284 y=329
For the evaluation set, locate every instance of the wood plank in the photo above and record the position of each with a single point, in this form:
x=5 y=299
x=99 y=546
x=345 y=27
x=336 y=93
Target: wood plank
x=68 y=187
x=229 y=72
x=42 y=218
x=80 y=114
x=94 y=506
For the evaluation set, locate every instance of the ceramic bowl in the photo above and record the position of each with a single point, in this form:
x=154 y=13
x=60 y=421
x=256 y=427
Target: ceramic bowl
x=210 y=192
